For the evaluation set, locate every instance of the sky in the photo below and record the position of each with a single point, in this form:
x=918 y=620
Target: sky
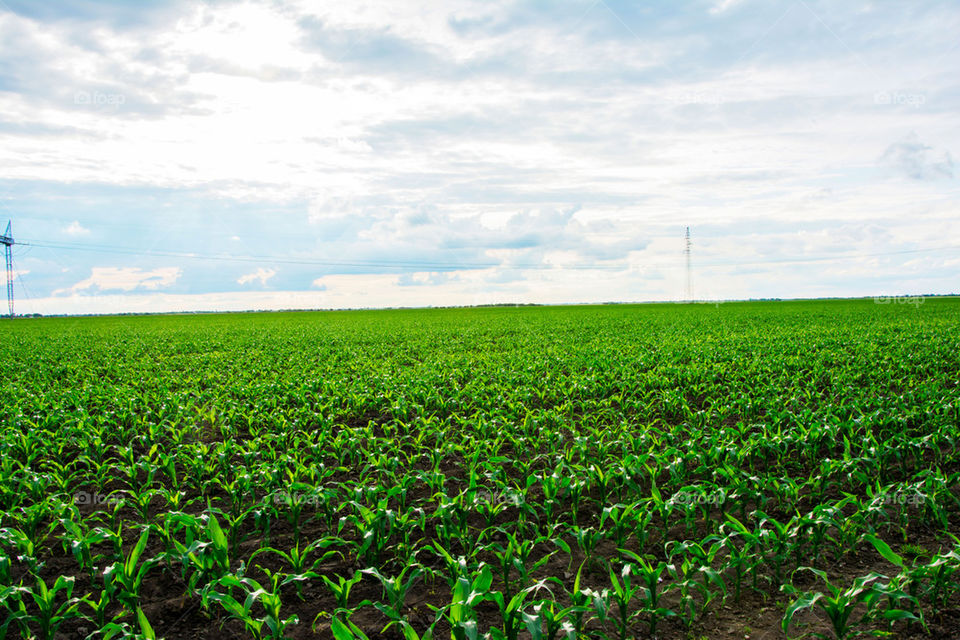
x=220 y=155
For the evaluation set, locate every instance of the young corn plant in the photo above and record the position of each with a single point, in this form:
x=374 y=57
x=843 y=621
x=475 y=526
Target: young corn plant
x=126 y=577
x=516 y=556
x=489 y=505
x=299 y=561
x=622 y=594
x=547 y=621
x=943 y=572
x=126 y=632
x=461 y=613
x=101 y=607
x=511 y=613
x=649 y=591
x=53 y=609
x=453 y=568
x=659 y=507
x=684 y=580
x=587 y=540
x=269 y=625
x=839 y=605
x=374 y=528
x=702 y=556
x=141 y=499
x=409 y=523
x=395 y=589
x=555 y=486
x=777 y=541
x=621 y=519
x=911 y=578
x=292 y=504
x=22 y=547
x=80 y=544
x=345 y=629
x=694 y=577
x=745 y=555
x=209 y=559
x=342 y=587
x=582 y=602
x=233 y=523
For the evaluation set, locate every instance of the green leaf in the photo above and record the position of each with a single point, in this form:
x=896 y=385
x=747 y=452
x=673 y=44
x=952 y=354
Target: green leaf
x=896 y=615
x=884 y=549
x=232 y=607
x=216 y=534
x=340 y=630
x=534 y=625
x=805 y=601
x=131 y=563
x=145 y=627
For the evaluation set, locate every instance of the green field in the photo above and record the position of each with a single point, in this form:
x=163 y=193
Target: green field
x=672 y=471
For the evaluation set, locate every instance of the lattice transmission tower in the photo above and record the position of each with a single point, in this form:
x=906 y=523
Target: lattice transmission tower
x=7 y=241
x=686 y=253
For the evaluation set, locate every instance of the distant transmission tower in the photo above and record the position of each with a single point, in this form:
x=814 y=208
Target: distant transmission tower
x=7 y=241
x=686 y=252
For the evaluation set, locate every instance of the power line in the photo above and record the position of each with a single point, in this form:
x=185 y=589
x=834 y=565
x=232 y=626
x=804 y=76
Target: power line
x=449 y=266
x=403 y=264
x=23 y=285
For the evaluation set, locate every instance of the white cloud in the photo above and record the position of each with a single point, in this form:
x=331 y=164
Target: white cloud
x=723 y=5
x=260 y=274
x=327 y=208
x=76 y=229
x=459 y=133
x=917 y=160
x=125 y=279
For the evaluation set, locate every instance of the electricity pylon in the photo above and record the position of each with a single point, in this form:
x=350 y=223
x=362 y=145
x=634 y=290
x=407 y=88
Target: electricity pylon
x=7 y=241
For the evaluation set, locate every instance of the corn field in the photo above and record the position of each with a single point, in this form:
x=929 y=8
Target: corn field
x=741 y=470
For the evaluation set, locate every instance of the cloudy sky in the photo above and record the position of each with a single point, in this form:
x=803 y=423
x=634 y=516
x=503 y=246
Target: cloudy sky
x=234 y=155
